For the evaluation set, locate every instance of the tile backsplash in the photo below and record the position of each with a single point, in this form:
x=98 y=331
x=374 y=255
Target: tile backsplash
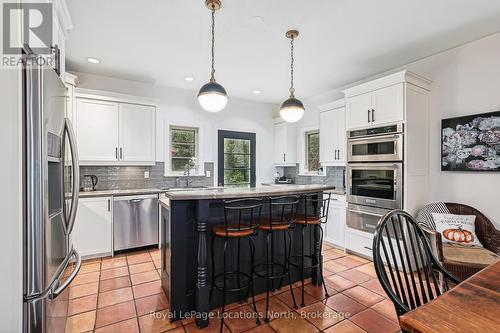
x=335 y=176
x=132 y=177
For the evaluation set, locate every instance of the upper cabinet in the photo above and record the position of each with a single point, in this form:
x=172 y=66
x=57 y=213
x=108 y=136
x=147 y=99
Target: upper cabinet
x=114 y=132
x=137 y=135
x=332 y=142
x=381 y=101
x=285 y=143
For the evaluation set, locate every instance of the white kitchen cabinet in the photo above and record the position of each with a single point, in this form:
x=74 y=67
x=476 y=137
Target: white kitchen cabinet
x=137 y=139
x=114 y=131
x=97 y=130
x=358 y=110
x=332 y=135
x=387 y=105
x=285 y=144
x=381 y=106
x=92 y=232
x=383 y=100
x=336 y=224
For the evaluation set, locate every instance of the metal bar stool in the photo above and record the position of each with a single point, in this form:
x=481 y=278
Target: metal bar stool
x=241 y=218
x=281 y=215
x=315 y=214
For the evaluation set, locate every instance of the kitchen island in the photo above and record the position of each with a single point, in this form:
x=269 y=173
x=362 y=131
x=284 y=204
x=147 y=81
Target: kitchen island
x=186 y=220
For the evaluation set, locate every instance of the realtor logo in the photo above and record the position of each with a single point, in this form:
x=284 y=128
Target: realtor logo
x=35 y=22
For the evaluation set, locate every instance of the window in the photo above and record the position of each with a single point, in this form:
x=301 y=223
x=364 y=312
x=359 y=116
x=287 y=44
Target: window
x=183 y=149
x=312 y=151
x=236 y=160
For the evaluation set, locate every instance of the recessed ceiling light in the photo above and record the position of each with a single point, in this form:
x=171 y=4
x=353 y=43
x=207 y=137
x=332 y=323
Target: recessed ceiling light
x=188 y=79
x=257 y=19
x=257 y=92
x=93 y=60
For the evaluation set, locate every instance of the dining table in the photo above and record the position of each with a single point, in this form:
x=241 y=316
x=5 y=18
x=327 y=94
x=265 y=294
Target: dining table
x=471 y=306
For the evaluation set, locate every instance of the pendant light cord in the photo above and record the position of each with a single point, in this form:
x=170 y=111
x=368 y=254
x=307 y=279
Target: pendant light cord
x=292 y=89
x=212 y=77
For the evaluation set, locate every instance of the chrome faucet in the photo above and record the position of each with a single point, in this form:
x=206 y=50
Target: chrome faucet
x=188 y=179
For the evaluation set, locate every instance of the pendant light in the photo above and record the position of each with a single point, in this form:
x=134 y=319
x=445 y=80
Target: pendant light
x=292 y=109
x=212 y=96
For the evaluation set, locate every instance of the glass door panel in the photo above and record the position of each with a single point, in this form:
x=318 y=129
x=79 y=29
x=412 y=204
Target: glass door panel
x=236 y=159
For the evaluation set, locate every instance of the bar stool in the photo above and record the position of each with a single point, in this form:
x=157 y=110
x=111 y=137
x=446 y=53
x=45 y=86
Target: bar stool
x=313 y=217
x=241 y=218
x=281 y=215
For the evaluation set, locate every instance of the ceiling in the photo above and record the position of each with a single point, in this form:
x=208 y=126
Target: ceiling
x=341 y=41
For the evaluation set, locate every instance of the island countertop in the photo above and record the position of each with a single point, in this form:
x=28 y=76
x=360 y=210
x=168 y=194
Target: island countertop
x=238 y=192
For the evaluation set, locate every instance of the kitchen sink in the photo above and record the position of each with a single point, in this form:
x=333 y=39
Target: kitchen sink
x=194 y=188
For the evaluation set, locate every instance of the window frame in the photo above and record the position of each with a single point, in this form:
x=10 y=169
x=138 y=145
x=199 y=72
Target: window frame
x=228 y=134
x=306 y=153
x=196 y=130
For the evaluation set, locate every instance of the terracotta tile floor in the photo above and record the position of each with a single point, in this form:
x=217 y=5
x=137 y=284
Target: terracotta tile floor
x=118 y=294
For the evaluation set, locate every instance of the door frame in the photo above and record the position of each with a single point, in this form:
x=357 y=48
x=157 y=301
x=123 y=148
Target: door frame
x=221 y=134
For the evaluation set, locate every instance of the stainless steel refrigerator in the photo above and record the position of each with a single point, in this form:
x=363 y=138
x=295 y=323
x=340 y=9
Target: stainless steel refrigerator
x=50 y=188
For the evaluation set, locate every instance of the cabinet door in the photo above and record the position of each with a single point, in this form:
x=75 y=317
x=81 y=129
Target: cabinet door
x=358 y=110
x=91 y=234
x=328 y=136
x=280 y=144
x=335 y=228
x=97 y=130
x=137 y=133
x=388 y=104
x=341 y=135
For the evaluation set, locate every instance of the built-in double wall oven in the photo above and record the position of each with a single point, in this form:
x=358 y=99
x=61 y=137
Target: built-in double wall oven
x=374 y=174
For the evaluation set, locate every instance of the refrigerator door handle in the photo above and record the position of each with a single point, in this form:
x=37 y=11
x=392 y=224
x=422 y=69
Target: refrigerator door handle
x=76 y=176
x=60 y=288
x=53 y=290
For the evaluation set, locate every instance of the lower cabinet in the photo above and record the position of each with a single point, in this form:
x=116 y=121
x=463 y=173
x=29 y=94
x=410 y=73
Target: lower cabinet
x=92 y=233
x=335 y=226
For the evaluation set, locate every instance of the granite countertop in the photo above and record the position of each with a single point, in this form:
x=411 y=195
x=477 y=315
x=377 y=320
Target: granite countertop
x=226 y=193
x=109 y=193
x=339 y=191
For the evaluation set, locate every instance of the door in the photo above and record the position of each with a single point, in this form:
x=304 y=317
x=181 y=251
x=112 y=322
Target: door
x=335 y=228
x=388 y=105
x=341 y=135
x=375 y=184
x=328 y=142
x=97 y=130
x=236 y=159
x=280 y=143
x=46 y=248
x=358 y=110
x=137 y=133
x=92 y=232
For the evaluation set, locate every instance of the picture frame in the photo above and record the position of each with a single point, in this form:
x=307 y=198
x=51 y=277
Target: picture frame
x=471 y=143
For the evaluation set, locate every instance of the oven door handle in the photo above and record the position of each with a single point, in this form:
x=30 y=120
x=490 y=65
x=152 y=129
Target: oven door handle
x=365 y=213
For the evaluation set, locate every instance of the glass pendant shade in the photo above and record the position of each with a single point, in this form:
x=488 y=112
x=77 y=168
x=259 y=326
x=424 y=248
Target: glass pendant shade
x=212 y=97
x=292 y=110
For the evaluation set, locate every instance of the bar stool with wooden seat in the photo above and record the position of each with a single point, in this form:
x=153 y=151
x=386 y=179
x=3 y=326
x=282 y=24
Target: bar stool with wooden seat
x=281 y=215
x=315 y=214
x=241 y=218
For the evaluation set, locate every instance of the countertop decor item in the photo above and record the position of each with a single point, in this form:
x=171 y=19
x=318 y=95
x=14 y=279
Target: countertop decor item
x=292 y=109
x=212 y=96
x=471 y=143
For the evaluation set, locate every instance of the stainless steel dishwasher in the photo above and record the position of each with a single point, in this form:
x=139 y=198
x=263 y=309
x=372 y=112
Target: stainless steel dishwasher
x=135 y=221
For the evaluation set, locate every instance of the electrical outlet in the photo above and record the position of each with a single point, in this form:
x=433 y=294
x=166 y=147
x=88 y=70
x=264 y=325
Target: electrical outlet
x=146 y=174
x=208 y=173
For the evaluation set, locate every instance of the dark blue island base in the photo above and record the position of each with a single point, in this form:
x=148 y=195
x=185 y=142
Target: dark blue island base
x=186 y=261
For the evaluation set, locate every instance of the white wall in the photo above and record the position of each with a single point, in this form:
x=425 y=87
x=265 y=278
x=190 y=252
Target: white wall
x=180 y=107
x=466 y=80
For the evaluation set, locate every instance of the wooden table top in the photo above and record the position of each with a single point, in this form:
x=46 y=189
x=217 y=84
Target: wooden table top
x=472 y=306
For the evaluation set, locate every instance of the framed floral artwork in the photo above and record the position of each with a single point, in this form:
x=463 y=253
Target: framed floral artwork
x=471 y=143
